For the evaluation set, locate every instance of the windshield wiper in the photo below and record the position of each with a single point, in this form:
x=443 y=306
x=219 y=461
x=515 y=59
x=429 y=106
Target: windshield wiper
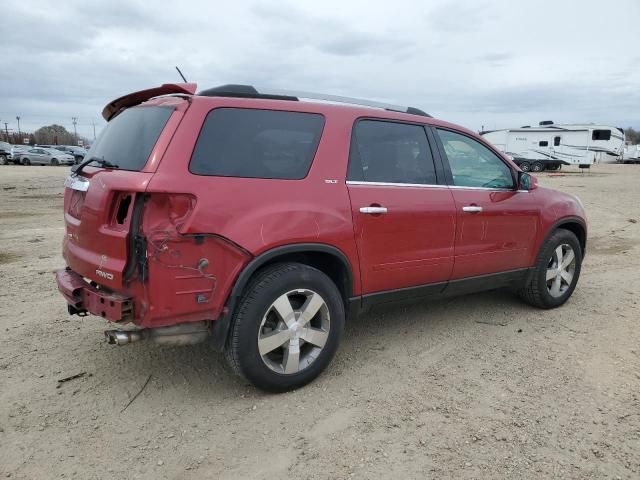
x=100 y=161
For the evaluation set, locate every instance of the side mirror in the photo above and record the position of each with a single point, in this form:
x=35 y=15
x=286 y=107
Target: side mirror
x=526 y=182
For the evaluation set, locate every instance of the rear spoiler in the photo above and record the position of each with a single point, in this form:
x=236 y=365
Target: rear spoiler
x=136 y=98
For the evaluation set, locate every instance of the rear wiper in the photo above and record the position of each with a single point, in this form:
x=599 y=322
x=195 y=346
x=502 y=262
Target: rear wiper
x=100 y=161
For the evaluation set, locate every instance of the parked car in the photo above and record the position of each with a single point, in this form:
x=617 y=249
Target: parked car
x=17 y=150
x=261 y=222
x=77 y=152
x=45 y=156
x=5 y=153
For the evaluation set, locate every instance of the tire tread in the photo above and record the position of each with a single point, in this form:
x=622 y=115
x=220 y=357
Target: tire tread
x=531 y=292
x=258 y=282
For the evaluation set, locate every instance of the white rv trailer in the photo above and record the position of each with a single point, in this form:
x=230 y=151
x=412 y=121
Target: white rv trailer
x=549 y=146
x=631 y=154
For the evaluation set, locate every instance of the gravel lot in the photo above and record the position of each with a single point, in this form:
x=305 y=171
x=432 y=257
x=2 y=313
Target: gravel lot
x=415 y=391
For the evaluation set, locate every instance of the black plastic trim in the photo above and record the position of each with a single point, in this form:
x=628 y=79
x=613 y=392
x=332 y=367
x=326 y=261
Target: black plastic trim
x=221 y=326
x=564 y=221
x=242 y=91
x=442 y=173
x=489 y=281
x=462 y=286
x=417 y=111
x=248 y=91
x=401 y=294
x=134 y=231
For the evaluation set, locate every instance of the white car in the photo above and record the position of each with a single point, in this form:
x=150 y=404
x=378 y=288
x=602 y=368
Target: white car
x=17 y=150
x=46 y=156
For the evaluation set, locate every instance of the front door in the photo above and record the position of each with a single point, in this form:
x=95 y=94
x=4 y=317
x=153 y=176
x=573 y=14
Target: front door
x=404 y=219
x=497 y=224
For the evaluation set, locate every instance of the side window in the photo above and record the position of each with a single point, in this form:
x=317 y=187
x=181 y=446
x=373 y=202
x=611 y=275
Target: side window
x=543 y=143
x=390 y=152
x=472 y=164
x=250 y=143
x=556 y=141
x=601 y=135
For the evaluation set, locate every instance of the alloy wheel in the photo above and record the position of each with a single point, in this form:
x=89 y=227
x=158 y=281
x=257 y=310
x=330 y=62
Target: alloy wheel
x=294 y=331
x=560 y=270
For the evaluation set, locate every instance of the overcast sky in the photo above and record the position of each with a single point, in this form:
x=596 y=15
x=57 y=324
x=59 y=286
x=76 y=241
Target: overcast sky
x=492 y=63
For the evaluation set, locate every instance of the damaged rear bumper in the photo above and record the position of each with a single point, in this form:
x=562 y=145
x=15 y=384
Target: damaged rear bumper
x=84 y=297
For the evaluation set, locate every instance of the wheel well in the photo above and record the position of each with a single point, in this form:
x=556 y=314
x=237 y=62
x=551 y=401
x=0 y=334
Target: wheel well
x=329 y=260
x=579 y=231
x=329 y=264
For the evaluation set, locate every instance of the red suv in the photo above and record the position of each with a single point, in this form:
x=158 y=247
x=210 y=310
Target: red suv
x=259 y=222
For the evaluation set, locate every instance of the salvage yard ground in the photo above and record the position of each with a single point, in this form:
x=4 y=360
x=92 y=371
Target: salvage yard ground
x=475 y=387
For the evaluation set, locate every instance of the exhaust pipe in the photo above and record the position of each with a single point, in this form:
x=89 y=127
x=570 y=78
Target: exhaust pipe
x=123 y=337
x=181 y=334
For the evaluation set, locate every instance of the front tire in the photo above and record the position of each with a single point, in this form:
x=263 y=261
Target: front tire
x=286 y=328
x=3 y=160
x=556 y=271
x=26 y=161
x=54 y=162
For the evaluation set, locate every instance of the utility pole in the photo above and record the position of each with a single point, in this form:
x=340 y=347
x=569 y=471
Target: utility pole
x=75 y=133
x=93 y=124
x=6 y=131
x=18 y=119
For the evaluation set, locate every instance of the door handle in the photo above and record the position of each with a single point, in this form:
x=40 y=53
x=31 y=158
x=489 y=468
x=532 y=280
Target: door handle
x=472 y=209
x=373 y=210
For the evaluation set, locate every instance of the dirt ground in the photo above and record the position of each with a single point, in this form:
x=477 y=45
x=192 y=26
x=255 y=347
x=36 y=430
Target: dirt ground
x=422 y=391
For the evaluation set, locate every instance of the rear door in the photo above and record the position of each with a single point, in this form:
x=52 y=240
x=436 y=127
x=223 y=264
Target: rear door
x=38 y=155
x=496 y=224
x=404 y=218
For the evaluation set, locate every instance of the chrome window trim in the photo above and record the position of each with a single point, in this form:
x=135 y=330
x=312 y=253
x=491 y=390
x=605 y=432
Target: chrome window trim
x=424 y=185
x=392 y=184
x=494 y=189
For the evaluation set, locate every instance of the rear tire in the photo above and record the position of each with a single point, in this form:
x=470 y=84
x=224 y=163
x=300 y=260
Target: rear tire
x=265 y=341
x=525 y=166
x=556 y=272
x=537 y=167
x=3 y=160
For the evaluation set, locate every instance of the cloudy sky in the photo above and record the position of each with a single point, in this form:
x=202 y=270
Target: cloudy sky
x=495 y=63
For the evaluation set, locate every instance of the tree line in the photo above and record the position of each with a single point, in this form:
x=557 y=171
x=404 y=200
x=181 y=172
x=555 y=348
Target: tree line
x=632 y=136
x=47 y=135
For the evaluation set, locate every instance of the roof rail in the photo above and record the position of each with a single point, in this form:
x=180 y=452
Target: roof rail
x=248 y=91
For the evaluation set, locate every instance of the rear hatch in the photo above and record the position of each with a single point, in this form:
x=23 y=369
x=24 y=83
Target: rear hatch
x=103 y=202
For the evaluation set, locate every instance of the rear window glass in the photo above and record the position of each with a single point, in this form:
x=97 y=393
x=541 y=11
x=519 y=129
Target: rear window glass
x=128 y=139
x=241 y=142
